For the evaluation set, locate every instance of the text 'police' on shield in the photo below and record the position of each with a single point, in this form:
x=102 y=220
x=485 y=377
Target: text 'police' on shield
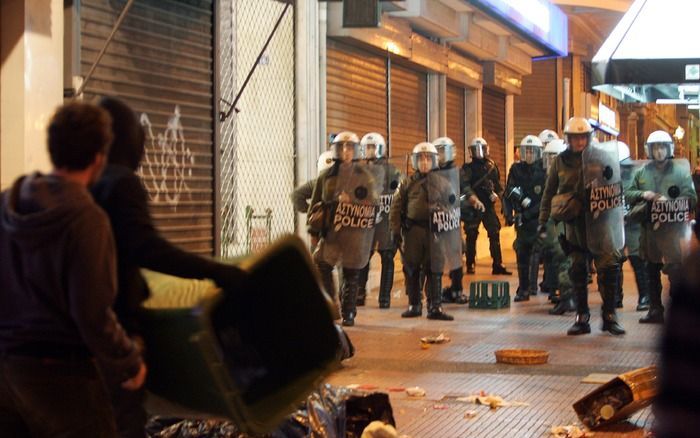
x=605 y=198
x=445 y=220
x=354 y=216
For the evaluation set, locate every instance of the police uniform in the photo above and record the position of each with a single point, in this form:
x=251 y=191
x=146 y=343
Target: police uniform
x=565 y=176
x=471 y=173
x=660 y=256
x=530 y=178
x=633 y=232
x=383 y=241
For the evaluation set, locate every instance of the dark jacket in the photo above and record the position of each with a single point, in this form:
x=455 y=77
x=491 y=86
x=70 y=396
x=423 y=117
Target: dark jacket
x=58 y=274
x=121 y=194
x=530 y=178
x=301 y=195
x=472 y=172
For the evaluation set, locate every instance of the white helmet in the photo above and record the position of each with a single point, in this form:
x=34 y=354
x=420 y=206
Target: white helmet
x=623 y=153
x=530 y=149
x=577 y=126
x=424 y=148
x=478 y=148
x=553 y=148
x=547 y=135
x=341 y=140
x=657 y=139
x=373 y=146
x=445 y=148
x=325 y=161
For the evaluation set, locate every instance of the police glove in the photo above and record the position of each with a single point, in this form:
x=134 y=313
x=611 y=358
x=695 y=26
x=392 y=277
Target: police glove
x=493 y=197
x=542 y=231
x=526 y=202
x=474 y=201
x=649 y=195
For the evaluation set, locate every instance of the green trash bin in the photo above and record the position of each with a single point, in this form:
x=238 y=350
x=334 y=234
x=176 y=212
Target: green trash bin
x=250 y=355
x=489 y=294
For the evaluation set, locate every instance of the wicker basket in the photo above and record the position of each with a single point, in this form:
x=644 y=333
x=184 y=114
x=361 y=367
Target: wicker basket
x=522 y=357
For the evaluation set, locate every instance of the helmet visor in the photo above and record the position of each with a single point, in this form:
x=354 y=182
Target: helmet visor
x=424 y=162
x=530 y=154
x=659 y=151
x=476 y=151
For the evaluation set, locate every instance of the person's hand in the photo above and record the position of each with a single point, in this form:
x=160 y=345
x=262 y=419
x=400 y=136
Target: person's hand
x=526 y=202
x=662 y=198
x=493 y=197
x=649 y=195
x=344 y=197
x=229 y=277
x=474 y=201
x=542 y=231
x=138 y=380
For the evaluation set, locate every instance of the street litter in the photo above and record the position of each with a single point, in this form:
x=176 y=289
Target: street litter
x=439 y=407
x=570 y=432
x=415 y=391
x=439 y=339
x=378 y=429
x=396 y=389
x=469 y=415
x=492 y=401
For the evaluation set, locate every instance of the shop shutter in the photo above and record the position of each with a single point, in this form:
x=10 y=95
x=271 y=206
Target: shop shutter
x=356 y=90
x=494 y=128
x=160 y=63
x=409 y=123
x=455 y=119
x=536 y=107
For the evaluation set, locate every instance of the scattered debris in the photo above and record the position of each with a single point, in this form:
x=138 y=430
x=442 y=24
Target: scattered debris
x=353 y=386
x=440 y=407
x=396 y=389
x=378 y=429
x=415 y=391
x=598 y=378
x=492 y=401
x=469 y=415
x=570 y=432
x=367 y=387
x=424 y=345
x=439 y=339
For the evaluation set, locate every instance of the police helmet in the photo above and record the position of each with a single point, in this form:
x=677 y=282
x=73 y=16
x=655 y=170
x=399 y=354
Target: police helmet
x=427 y=149
x=553 y=148
x=478 y=148
x=578 y=126
x=530 y=149
x=345 y=139
x=445 y=148
x=325 y=161
x=659 y=139
x=547 y=135
x=373 y=146
x=623 y=153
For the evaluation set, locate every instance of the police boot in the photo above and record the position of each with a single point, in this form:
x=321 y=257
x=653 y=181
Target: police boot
x=435 y=299
x=387 y=279
x=458 y=296
x=523 y=292
x=583 y=316
x=534 y=271
x=619 y=295
x=610 y=282
x=656 y=309
x=415 y=308
x=639 y=266
x=497 y=268
x=471 y=252
x=351 y=278
x=564 y=304
x=362 y=285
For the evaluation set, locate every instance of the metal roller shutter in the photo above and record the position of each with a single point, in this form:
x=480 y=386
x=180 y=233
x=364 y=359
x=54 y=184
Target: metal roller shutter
x=409 y=123
x=455 y=119
x=494 y=127
x=536 y=107
x=356 y=90
x=160 y=63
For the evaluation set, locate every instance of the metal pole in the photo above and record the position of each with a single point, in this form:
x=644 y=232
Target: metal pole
x=104 y=48
x=225 y=115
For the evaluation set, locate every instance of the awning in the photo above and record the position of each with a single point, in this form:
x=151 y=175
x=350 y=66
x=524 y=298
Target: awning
x=652 y=54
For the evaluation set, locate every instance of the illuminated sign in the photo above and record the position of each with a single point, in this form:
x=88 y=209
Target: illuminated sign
x=539 y=20
x=606 y=116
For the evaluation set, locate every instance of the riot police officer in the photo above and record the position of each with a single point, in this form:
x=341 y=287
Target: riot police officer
x=666 y=187
x=446 y=156
x=348 y=193
x=481 y=186
x=633 y=231
x=375 y=152
x=410 y=222
x=575 y=168
x=301 y=195
x=546 y=136
x=521 y=205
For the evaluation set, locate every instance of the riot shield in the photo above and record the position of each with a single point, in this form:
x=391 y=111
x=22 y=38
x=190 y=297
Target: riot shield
x=669 y=215
x=354 y=214
x=605 y=209
x=445 y=237
x=391 y=179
